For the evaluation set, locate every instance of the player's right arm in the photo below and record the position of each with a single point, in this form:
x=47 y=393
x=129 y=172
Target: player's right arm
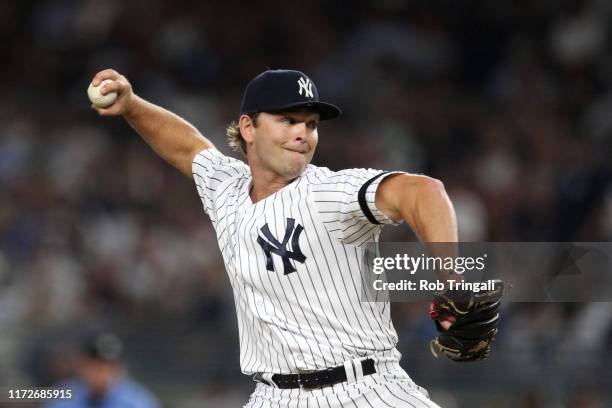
x=173 y=138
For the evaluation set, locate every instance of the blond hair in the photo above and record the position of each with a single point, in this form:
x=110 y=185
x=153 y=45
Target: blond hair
x=234 y=137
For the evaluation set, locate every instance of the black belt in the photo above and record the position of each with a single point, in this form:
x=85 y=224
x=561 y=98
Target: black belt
x=315 y=379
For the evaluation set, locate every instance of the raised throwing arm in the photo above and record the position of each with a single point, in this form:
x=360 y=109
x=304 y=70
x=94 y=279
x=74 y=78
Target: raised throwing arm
x=173 y=138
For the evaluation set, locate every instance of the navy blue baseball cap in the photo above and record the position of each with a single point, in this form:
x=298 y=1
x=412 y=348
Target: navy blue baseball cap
x=281 y=89
x=103 y=346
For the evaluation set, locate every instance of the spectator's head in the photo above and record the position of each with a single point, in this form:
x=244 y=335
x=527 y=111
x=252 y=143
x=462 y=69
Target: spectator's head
x=100 y=361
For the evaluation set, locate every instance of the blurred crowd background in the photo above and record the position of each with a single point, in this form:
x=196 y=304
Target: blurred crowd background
x=509 y=103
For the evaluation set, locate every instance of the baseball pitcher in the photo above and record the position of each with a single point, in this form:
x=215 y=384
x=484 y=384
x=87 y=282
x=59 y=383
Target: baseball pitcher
x=291 y=235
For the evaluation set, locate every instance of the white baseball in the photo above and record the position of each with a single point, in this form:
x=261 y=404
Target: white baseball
x=101 y=101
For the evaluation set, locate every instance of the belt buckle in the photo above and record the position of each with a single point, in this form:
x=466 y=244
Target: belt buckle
x=299 y=379
x=307 y=387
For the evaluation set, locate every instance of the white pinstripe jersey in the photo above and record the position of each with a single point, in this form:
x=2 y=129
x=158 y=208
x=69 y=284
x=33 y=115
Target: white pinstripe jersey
x=293 y=260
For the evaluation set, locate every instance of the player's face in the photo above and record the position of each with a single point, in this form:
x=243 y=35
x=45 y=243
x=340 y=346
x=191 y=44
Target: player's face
x=284 y=143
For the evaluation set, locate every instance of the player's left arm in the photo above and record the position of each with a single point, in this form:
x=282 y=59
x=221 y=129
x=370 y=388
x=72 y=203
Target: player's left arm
x=421 y=202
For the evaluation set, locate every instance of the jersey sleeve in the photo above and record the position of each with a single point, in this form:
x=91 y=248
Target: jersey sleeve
x=346 y=203
x=213 y=172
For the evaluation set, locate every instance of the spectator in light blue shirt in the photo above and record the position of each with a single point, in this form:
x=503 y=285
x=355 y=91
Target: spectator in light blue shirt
x=102 y=381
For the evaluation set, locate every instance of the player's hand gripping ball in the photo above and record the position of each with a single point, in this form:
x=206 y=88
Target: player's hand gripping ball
x=96 y=97
x=476 y=317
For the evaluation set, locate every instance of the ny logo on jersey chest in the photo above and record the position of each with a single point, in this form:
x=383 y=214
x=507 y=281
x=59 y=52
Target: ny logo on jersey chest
x=271 y=245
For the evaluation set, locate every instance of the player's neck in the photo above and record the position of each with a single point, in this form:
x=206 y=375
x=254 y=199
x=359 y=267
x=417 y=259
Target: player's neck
x=262 y=187
x=265 y=183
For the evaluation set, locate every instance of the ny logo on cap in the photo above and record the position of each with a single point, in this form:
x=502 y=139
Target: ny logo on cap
x=274 y=246
x=306 y=86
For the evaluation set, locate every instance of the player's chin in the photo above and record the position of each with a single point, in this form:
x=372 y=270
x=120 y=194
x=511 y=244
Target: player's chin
x=295 y=168
x=297 y=162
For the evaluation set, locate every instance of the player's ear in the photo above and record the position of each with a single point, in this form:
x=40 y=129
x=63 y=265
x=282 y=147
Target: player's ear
x=247 y=128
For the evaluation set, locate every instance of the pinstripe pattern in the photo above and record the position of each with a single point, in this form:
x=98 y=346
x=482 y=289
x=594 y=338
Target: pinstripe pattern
x=311 y=318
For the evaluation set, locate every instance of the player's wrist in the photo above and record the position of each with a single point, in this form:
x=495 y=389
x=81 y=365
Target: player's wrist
x=133 y=106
